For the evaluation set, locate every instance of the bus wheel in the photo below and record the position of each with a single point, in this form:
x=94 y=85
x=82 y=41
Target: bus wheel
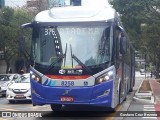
x=56 y=107
x=131 y=90
x=120 y=93
x=126 y=94
x=113 y=109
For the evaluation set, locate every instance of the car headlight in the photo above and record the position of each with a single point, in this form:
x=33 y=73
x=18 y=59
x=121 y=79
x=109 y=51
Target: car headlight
x=105 y=77
x=36 y=77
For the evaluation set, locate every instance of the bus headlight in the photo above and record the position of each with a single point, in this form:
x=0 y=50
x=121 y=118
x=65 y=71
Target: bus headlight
x=105 y=77
x=36 y=77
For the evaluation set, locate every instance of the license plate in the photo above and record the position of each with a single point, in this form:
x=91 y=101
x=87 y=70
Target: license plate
x=19 y=96
x=67 y=99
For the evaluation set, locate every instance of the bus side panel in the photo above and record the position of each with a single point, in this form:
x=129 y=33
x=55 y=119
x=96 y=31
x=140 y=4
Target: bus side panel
x=127 y=79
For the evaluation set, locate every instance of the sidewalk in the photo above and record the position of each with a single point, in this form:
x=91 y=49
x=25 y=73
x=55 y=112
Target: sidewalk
x=155 y=86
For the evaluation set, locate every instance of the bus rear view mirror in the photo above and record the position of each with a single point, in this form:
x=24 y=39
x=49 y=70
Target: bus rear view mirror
x=27 y=25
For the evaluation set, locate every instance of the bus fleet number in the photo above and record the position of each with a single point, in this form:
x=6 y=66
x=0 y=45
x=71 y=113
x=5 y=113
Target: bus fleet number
x=67 y=83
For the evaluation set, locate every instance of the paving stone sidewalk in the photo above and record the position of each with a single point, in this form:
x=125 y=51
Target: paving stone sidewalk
x=155 y=86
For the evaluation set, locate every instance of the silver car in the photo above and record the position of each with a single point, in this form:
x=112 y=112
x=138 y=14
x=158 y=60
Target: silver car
x=5 y=80
x=20 y=89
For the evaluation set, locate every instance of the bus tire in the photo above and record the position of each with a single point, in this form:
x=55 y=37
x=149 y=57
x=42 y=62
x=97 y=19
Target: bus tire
x=113 y=109
x=131 y=90
x=120 y=93
x=56 y=107
x=126 y=93
x=131 y=86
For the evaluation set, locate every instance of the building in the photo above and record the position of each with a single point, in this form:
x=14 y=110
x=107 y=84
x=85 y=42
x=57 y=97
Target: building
x=76 y=2
x=35 y=6
x=15 y=3
x=2 y=4
x=59 y=3
x=56 y=3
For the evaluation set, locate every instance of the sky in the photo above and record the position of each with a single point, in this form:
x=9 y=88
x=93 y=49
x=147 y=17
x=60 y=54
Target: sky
x=15 y=3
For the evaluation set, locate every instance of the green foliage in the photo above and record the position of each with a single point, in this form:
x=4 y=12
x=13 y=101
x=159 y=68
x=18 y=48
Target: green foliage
x=10 y=21
x=141 y=19
x=6 y=15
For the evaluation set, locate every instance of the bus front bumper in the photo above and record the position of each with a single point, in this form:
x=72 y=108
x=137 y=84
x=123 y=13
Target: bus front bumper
x=99 y=95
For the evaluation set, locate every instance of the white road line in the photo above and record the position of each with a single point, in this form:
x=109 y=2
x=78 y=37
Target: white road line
x=152 y=110
x=149 y=117
x=149 y=108
x=148 y=105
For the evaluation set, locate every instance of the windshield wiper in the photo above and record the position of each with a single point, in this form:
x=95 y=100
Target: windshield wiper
x=57 y=60
x=54 y=62
x=79 y=62
x=82 y=64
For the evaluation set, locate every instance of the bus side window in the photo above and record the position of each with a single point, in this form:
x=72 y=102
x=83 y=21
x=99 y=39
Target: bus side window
x=116 y=37
x=123 y=44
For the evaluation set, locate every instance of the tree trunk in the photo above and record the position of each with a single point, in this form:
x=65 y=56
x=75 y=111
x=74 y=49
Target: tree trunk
x=8 y=65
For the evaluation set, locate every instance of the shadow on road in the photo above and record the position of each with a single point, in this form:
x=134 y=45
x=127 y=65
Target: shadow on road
x=80 y=111
x=21 y=102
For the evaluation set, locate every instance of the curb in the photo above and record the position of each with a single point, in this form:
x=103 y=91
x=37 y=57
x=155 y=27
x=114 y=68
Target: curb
x=145 y=96
x=144 y=99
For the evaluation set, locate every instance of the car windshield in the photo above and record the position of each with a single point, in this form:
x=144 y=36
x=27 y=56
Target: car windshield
x=90 y=44
x=4 y=78
x=23 y=79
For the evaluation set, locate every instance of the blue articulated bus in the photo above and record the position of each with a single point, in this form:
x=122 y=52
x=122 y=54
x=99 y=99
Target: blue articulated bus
x=80 y=56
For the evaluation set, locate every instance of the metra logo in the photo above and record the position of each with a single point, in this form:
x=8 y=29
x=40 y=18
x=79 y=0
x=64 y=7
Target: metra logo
x=62 y=71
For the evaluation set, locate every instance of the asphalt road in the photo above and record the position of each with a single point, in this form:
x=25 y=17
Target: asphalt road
x=46 y=112
x=128 y=105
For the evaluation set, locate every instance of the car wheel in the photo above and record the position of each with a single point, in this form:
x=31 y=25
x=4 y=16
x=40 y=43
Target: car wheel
x=56 y=107
x=3 y=95
x=11 y=101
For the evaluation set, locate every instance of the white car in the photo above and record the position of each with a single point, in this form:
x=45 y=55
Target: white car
x=19 y=89
x=5 y=80
x=142 y=71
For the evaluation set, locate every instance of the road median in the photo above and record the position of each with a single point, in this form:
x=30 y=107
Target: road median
x=144 y=92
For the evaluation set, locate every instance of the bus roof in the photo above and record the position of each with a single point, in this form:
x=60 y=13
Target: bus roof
x=76 y=14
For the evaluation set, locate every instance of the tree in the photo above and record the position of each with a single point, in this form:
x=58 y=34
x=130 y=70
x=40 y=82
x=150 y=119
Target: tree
x=141 y=19
x=10 y=21
x=36 y=6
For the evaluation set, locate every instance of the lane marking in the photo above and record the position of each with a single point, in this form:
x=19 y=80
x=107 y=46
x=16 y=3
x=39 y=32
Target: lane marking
x=6 y=109
x=150 y=117
x=149 y=108
x=113 y=114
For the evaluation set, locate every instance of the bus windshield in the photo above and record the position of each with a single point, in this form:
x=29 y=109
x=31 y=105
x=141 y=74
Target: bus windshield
x=90 y=45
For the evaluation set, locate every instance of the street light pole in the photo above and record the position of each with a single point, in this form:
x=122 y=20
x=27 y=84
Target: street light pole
x=145 y=64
